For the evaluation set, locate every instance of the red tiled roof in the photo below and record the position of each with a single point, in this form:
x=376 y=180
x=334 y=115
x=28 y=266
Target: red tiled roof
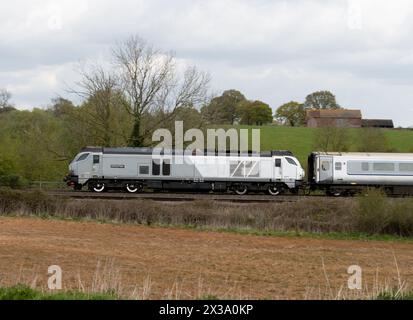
x=334 y=113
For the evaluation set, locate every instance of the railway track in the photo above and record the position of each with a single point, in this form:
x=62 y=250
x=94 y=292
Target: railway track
x=177 y=197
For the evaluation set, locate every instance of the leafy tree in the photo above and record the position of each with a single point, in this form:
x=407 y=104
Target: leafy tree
x=223 y=109
x=29 y=139
x=61 y=107
x=254 y=112
x=373 y=140
x=291 y=113
x=332 y=139
x=321 y=100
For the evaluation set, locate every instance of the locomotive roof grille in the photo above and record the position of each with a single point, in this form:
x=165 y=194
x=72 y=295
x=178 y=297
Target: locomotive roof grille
x=148 y=151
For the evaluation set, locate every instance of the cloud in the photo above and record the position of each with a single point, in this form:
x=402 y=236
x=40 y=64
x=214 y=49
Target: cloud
x=274 y=51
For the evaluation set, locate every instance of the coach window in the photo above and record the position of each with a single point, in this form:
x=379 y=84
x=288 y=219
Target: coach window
x=278 y=163
x=383 y=166
x=96 y=159
x=338 y=166
x=325 y=165
x=83 y=157
x=406 y=167
x=365 y=166
x=166 y=168
x=156 y=168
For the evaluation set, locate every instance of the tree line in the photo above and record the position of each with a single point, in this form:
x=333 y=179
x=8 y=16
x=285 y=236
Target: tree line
x=121 y=105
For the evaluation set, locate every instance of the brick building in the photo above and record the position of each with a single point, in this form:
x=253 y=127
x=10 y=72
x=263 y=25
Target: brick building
x=344 y=118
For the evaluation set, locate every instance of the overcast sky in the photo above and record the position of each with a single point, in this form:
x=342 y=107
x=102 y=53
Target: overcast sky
x=274 y=51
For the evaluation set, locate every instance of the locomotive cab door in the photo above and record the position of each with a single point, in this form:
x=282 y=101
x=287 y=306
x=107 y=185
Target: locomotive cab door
x=96 y=167
x=278 y=170
x=325 y=169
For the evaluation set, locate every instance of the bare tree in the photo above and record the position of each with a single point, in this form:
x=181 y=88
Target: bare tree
x=150 y=81
x=5 y=97
x=102 y=96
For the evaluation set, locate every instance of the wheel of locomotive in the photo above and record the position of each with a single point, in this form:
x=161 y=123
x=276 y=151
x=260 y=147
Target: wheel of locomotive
x=274 y=190
x=241 y=189
x=98 y=186
x=78 y=187
x=133 y=187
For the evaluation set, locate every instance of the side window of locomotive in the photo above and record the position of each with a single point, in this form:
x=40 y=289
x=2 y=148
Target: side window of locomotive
x=325 y=165
x=278 y=163
x=96 y=159
x=291 y=161
x=83 y=157
x=338 y=166
x=156 y=168
x=143 y=170
x=166 y=168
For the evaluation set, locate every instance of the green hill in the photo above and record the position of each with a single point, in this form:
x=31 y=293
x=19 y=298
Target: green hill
x=301 y=140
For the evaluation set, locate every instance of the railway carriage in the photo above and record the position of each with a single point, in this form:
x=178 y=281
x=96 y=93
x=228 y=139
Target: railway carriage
x=134 y=169
x=348 y=173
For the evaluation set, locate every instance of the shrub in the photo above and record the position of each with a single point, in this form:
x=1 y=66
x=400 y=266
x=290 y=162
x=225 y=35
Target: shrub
x=12 y=181
x=377 y=214
x=400 y=220
x=23 y=292
x=372 y=213
x=36 y=202
x=18 y=292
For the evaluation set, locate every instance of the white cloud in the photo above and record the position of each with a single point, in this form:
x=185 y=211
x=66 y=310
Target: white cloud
x=272 y=50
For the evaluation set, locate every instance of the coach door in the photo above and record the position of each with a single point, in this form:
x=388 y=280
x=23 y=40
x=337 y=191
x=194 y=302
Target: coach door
x=325 y=169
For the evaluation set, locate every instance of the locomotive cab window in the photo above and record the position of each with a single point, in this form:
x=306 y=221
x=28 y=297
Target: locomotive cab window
x=83 y=157
x=291 y=161
x=156 y=168
x=166 y=168
x=278 y=163
x=338 y=166
x=96 y=159
x=365 y=166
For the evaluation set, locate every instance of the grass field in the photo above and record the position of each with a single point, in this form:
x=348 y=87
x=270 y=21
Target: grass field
x=148 y=250
x=301 y=140
x=107 y=261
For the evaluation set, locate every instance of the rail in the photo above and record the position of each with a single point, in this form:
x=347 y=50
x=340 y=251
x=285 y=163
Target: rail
x=175 y=197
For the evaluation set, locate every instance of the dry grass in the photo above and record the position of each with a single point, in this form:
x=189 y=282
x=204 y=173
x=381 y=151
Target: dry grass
x=107 y=283
x=371 y=214
x=138 y=262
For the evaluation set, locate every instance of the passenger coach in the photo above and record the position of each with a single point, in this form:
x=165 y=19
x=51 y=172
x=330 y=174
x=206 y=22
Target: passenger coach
x=348 y=173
